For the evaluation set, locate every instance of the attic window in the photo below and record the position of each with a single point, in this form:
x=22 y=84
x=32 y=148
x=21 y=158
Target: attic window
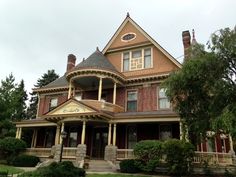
x=128 y=37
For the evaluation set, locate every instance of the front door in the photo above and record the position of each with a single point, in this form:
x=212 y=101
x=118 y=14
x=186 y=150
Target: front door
x=100 y=136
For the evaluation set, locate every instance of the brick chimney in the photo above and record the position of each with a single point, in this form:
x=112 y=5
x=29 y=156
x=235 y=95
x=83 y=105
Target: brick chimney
x=186 y=42
x=70 y=62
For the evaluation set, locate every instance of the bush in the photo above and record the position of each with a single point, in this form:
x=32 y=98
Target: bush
x=128 y=166
x=10 y=147
x=179 y=156
x=63 y=169
x=25 y=161
x=149 y=153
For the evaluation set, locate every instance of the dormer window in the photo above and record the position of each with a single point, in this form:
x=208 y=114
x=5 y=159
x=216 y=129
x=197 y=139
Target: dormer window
x=137 y=59
x=53 y=103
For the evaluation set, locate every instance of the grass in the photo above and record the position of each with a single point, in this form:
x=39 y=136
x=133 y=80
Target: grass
x=10 y=169
x=112 y=175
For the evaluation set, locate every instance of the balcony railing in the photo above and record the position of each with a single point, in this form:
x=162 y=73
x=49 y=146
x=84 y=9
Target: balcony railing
x=210 y=157
x=105 y=106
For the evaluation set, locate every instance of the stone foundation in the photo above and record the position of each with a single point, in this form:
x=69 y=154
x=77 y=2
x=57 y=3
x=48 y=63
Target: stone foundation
x=110 y=153
x=81 y=152
x=56 y=152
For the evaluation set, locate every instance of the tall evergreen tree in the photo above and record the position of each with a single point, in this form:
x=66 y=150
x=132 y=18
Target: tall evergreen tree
x=45 y=79
x=20 y=97
x=7 y=91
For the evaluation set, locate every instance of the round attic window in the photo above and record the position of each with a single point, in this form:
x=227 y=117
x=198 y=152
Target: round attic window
x=128 y=37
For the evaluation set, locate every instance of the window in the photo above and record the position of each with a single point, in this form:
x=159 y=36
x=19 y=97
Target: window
x=128 y=37
x=132 y=136
x=163 y=100
x=132 y=101
x=78 y=96
x=53 y=103
x=137 y=59
x=165 y=132
x=147 y=58
x=73 y=137
x=126 y=61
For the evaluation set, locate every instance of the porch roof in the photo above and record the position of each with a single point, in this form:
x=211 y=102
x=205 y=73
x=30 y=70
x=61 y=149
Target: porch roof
x=38 y=122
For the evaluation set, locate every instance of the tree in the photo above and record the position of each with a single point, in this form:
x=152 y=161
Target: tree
x=45 y=79
x=12 y=104
x=203 y=92
x=20 y=97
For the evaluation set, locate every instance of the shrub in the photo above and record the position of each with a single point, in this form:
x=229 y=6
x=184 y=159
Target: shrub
x=149 y=153
x=128 y=166
x=11 y=147
x=25 y=161
x=63 y=169
x=179 y=156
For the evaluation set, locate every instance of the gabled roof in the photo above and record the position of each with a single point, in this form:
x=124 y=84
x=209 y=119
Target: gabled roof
x=128 y=19
x=96 y=60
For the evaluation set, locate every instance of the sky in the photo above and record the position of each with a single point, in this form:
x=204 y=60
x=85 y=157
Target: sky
x=38 y=35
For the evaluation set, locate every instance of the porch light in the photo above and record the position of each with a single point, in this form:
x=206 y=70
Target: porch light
x=63 y=136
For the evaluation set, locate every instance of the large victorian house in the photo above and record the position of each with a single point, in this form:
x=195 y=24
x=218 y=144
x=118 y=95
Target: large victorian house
x=109 y=101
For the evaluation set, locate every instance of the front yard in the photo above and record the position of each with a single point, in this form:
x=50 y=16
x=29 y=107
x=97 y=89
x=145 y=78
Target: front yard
x=10 y=169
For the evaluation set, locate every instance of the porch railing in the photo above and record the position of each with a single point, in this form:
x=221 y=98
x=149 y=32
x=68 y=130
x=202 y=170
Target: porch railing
x=69 y=152
x=210 y=157
x=125 y=154
x=40 y=152
x=213 y=158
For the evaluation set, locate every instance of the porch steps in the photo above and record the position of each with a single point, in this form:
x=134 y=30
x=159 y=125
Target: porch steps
x=100 y=166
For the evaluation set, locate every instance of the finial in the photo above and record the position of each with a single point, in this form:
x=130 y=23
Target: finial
x=127 y=14
x=97 y=49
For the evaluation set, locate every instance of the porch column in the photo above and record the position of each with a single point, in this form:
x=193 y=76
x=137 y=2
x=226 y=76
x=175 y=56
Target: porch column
x=109 y=135
x=35 y=138
x=57 y=136
x=100 y=89
x=114 y=93
x=180 y=130
x=62 y=129
x=231 y=144
x=20 y=132
x=17 y=132
x=32 y=141
x=83 y=132
x=114 y=135
x=70 y=89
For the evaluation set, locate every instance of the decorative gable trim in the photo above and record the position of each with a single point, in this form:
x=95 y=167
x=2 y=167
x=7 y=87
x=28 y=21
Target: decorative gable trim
x=128 y=19
x=71 y=107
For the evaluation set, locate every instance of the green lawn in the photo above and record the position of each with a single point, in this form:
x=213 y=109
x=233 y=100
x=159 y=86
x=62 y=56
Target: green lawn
x=112 y=175
x=10 y=169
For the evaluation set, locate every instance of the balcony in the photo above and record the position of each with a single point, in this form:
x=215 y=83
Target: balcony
x=103 y=106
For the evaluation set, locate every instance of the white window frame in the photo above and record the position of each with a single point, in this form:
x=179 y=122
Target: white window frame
x=50 y=104
x=130 y=58
x=159 y=98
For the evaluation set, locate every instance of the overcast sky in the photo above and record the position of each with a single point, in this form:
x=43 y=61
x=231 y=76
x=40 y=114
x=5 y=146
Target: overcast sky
x=37 y=35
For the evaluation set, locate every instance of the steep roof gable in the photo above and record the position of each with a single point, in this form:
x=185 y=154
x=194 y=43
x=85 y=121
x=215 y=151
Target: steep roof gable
x=145 y=36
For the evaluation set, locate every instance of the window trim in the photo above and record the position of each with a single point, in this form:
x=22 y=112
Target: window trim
x=129 y=39
x=126 y=99
x=130 y=57
x=159 y=98
x=50 y=107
